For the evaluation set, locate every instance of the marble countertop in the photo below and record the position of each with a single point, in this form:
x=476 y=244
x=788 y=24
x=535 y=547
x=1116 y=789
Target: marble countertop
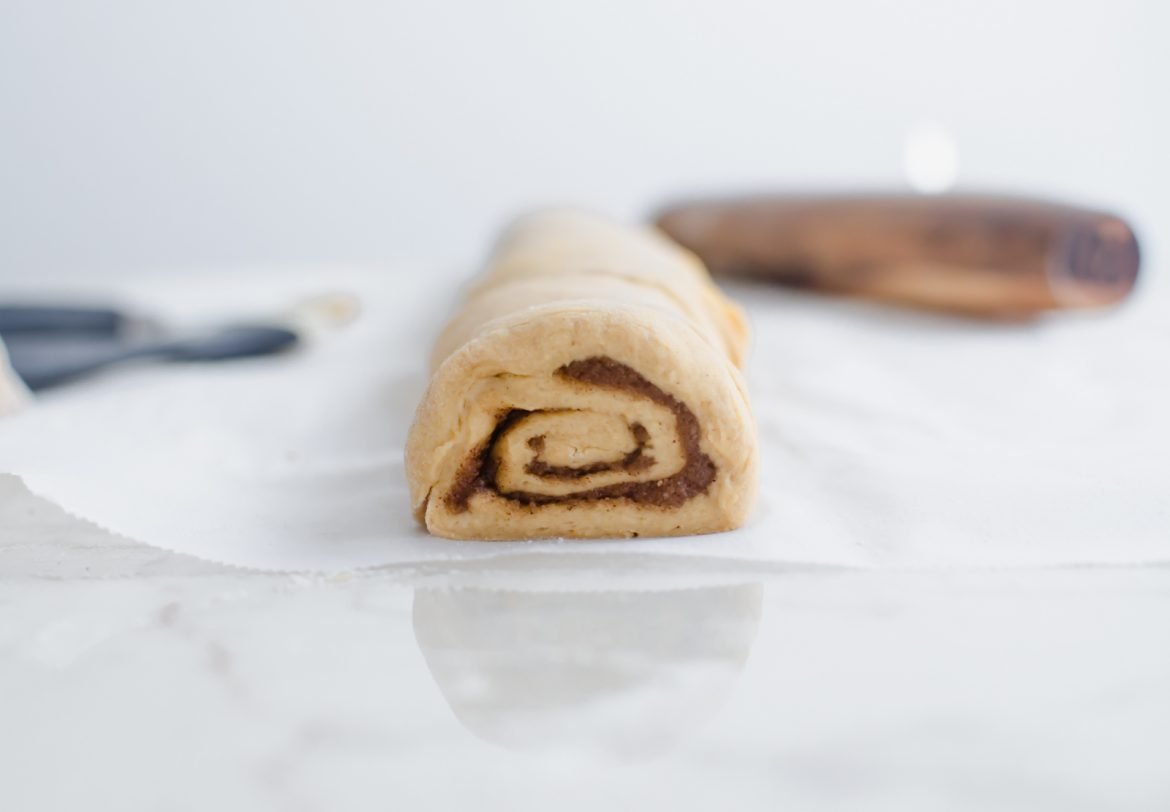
x=132 y=678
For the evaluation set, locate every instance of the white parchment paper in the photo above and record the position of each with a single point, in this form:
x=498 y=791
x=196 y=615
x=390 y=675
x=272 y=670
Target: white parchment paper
x=887 y=438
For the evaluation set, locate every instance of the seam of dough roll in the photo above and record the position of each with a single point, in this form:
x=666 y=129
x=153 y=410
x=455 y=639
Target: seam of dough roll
x=589 y=387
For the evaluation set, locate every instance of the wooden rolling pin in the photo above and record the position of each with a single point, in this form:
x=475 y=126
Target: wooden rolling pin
x=993 y=257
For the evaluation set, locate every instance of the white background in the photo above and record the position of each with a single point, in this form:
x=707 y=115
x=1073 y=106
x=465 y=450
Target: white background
x=139 y=136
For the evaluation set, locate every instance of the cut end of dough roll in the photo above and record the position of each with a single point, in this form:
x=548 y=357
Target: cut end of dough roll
x=589 y=388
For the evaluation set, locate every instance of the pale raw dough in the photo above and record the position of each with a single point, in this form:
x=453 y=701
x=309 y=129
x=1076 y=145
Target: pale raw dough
x=13 y=393
x=509 y=443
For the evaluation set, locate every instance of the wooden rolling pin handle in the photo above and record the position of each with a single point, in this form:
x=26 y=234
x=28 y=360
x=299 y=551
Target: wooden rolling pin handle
x=982 y=256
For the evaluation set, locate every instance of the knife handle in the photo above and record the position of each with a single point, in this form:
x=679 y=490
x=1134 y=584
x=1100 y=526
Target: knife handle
x=45 y=319
x=985 y=256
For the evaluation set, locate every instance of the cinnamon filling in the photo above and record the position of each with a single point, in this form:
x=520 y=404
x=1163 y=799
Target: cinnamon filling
x=478 y=472
x=637 y=460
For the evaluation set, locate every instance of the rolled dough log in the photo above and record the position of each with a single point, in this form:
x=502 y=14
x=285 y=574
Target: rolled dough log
x=589 y=387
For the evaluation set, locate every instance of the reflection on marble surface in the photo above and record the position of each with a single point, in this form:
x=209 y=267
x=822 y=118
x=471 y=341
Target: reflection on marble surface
x=624 y=675
x=133 y=679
